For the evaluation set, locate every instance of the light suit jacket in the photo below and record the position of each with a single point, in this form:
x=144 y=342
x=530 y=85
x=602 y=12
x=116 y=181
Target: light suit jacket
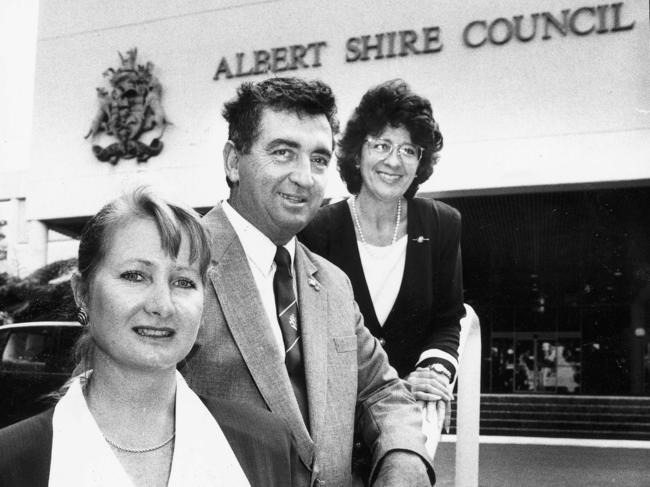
x=346 y=369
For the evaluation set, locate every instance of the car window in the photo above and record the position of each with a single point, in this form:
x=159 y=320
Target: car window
x=29 y=350
x=63 y=361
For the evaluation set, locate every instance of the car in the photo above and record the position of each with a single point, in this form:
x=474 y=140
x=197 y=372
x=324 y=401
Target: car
x=36 y=359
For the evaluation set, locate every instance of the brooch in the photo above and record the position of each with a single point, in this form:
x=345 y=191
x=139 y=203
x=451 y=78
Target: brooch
x=420 y=239
x=314 y=283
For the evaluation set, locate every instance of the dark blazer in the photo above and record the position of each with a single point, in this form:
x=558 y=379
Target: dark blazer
x=260 y=440
x=429 y=305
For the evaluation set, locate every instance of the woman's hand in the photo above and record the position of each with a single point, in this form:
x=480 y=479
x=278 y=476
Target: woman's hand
x=429 y=385
x=433 y=392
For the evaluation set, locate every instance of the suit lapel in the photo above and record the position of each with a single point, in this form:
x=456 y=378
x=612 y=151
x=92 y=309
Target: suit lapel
x=312 y=302
x=244 y=314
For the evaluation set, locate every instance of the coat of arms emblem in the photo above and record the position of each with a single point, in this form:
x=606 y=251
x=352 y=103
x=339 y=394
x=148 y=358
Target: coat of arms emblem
x=131 y=108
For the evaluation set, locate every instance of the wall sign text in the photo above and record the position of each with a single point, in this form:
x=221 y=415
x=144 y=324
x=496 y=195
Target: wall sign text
x=540 y=26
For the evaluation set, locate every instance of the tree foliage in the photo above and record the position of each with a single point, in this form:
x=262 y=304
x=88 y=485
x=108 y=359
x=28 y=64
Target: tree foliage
x=44 y=295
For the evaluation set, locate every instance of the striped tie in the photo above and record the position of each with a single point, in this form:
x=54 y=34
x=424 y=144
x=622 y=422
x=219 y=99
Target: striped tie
x=287 y=309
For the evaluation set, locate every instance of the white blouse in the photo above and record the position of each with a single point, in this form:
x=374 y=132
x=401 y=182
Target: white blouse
x=81 y=456
x=383 y=268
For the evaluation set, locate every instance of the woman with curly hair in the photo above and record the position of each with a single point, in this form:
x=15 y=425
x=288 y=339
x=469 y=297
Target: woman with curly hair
x=401 y=253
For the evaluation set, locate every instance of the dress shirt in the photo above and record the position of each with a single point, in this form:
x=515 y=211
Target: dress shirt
x=260 y=252
x=383 y=268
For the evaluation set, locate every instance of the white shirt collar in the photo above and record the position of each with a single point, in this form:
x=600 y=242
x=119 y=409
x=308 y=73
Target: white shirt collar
x=81 y=456
x=259 y=249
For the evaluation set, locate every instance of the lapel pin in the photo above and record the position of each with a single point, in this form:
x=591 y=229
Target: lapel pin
x=313 y=283
x=420 y=239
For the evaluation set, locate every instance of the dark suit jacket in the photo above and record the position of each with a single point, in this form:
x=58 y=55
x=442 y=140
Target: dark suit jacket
x=429 y=305
x=260 y=440
x=349 y=381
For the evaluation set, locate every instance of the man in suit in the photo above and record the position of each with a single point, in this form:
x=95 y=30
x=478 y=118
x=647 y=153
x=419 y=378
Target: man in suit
x=280 y=327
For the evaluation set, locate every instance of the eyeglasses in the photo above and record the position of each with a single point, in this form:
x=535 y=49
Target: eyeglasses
x=383 y=148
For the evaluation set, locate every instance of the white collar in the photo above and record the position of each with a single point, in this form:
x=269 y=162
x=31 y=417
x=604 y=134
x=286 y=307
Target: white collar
x=81 y=456
x=259 y=249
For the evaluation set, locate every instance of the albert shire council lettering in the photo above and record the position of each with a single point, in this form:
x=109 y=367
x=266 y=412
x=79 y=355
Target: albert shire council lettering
x=544 y=26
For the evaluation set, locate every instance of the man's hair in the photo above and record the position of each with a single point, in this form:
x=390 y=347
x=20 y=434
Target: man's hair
x=244 y=112
x=389 y=104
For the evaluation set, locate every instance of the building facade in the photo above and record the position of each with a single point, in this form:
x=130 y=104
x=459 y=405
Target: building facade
x=545 y=112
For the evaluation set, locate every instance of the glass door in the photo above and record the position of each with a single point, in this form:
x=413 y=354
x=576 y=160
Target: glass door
x=536 y=362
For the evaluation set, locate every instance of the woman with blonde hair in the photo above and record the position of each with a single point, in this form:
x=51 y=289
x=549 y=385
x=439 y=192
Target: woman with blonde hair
x=127 y=417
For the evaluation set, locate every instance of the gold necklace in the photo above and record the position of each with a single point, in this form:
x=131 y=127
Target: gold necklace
x=141 y=450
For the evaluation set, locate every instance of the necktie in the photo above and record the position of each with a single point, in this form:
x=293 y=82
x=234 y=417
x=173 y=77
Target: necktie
x=287 y=309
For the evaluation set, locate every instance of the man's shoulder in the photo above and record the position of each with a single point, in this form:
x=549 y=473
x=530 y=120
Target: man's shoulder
x=212 y=211
x=214 y=217
x=222 y=233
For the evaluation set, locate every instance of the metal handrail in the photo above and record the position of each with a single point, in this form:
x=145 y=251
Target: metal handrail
x=468 y=404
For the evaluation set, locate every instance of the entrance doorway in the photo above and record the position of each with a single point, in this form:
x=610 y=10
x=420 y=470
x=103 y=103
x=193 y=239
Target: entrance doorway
x=536 y=362
x=573 y=259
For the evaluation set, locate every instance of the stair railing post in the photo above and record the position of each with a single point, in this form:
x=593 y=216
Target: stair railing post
x=468 y=404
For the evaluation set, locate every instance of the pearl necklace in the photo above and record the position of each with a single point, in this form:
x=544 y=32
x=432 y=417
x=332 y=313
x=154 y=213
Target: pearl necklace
x=143 y=450
x=398 y=220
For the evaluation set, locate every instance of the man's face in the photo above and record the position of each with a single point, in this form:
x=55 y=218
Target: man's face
x=281 y=181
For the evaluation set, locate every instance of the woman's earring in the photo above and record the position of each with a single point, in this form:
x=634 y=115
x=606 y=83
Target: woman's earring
x=82 y=316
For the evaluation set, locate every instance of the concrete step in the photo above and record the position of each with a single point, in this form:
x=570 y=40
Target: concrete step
x=568 y=416
x=568 y=408
x=564 y=399
x=597 y=417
